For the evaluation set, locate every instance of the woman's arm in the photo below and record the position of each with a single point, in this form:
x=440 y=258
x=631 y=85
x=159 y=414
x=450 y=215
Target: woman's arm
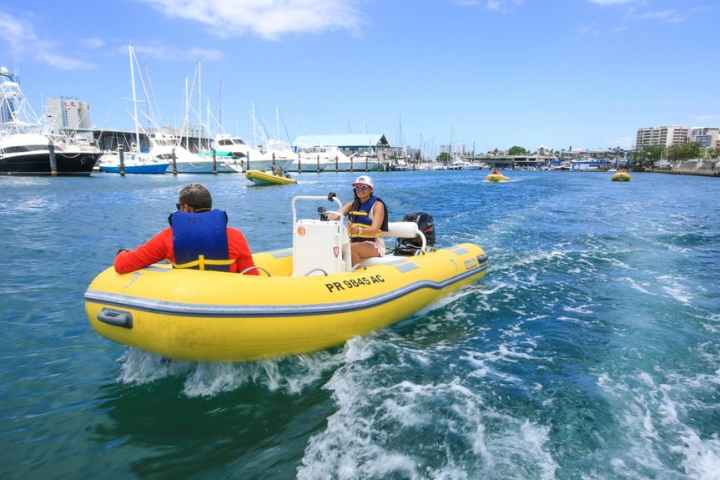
x=343 y=211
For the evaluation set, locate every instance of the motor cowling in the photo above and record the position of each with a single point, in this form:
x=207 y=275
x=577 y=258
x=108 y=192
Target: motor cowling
x=411 y=246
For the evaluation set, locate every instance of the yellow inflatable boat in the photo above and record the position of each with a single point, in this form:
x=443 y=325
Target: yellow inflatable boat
x=620 y=177
x=308 y=297
x=497 y=178
x=267 y=178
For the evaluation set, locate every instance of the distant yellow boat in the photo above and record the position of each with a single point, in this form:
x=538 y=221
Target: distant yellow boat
x=621 y=177
x=497 y=178
x=265 y=178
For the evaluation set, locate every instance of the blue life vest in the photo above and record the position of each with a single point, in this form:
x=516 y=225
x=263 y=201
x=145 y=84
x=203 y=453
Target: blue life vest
x=200 y=240
x=360 y=213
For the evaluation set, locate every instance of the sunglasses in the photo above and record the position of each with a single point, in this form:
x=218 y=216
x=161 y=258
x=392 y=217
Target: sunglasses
x=362 y=187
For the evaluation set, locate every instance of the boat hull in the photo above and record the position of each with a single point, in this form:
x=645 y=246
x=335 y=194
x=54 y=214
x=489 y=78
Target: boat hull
x=620 y=177
x=262 y=179
x=231 y=317
x=497 y=178
x=75 y=164
x=148 y=169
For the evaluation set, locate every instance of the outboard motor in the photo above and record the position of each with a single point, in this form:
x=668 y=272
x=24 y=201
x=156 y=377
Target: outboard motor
x=411 y=246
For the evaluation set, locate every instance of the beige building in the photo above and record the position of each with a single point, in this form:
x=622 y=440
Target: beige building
x=665 y=136
x=705 y=137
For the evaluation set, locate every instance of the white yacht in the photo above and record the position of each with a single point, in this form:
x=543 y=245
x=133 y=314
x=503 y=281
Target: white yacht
x=326 y=158
x=163 y=146
x=242 y=156
x=25 y=149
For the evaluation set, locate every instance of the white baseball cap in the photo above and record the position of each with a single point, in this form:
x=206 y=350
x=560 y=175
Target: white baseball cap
x=364 y=180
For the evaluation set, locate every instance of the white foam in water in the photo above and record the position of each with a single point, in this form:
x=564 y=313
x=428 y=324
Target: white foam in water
x=637 y=286
x=701 y=457
x=648 y=408
x=583 y=309
x=402 y=429
x=139 y=367
x=673 y=287
x=292 y=374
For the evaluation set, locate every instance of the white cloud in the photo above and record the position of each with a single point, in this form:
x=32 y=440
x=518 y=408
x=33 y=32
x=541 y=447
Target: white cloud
x=612 y=2
x=492 y=5
x=664 y=16
x=173 y=54
x=92 y=43
x=706 y=118
x=268 y=18
x=24 y=42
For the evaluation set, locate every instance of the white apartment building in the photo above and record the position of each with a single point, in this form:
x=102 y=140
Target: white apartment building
x=67 y=113
x=664 y=136
x=705 y=137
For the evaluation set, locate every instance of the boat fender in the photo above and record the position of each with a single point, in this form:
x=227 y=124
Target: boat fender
x=200 y=240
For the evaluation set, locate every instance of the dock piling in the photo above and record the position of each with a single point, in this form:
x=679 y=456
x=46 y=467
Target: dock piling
x=317 y=168
x=53 y=160
x=121 y=157
x=214 y=167
x=174 y=162
x=336 y=164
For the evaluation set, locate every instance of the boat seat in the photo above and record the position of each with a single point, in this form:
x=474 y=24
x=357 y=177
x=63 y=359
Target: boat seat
x=396 y=230
x=369 y=262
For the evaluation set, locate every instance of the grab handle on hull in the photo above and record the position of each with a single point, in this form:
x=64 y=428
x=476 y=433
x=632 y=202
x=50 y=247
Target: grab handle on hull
x=116 y=318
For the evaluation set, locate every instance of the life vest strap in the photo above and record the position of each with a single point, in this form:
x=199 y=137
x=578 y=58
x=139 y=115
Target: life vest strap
x=359 y=213
x=202 y=261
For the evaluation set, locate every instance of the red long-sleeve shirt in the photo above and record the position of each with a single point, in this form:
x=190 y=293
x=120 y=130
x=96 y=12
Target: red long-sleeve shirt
x=160 y=247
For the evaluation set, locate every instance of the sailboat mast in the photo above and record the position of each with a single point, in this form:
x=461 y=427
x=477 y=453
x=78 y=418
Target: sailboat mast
x=252 y=123
x=187 y=115
x=199 y=107
x=131 y=54
x=277 y=122
x=207 y=115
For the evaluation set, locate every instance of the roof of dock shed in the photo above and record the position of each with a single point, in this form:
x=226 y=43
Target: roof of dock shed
x=341 y=140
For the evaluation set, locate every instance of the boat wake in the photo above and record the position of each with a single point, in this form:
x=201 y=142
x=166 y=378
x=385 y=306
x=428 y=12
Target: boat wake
x=290 y=375
x=394 y=421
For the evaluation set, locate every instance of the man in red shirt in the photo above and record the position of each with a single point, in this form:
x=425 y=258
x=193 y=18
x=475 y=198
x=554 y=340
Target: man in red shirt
x=197 y=234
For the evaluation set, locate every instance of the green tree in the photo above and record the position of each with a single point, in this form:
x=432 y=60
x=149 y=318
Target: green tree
x=444 y=157
x=517 y=150
x=684 y=151
x=644 y=157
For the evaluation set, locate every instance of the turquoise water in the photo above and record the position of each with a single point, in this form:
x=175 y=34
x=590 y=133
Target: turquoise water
x=590 y=350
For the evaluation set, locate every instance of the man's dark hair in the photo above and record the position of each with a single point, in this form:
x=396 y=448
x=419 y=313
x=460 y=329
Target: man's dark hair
x=195 y=196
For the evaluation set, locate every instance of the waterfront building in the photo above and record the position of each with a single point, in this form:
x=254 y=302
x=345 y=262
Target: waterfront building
x=664 y=136
x=67 y=113
x=705 y=137
x=348 y=143
x=345 y=151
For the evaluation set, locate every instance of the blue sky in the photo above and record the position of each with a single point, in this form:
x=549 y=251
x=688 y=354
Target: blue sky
x=581 y=73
